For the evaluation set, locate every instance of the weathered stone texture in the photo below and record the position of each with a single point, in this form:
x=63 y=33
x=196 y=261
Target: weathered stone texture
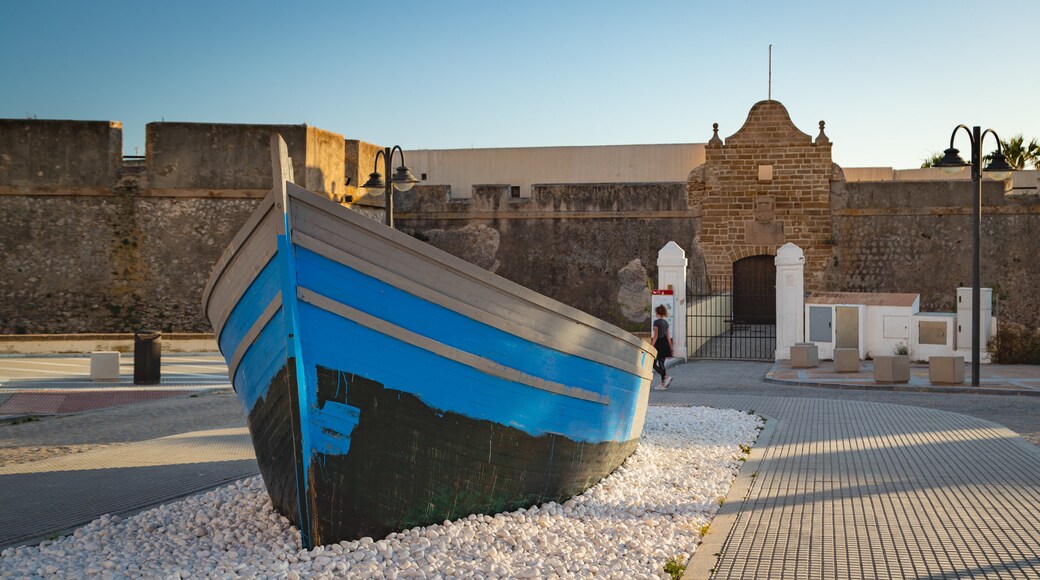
x=767 y=185
x=358 y=163
x=90 y=244
x=917 y=237
x=110 y=264
x=568 y=242
x=59 y=154
x=634 y=294
x=475 y=243
x=216 y=156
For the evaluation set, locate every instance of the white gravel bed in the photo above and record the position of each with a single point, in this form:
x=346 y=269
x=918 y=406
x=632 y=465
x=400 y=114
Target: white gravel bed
x=648 y=511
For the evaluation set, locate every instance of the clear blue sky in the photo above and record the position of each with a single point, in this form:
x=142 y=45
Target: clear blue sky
x=891 y=79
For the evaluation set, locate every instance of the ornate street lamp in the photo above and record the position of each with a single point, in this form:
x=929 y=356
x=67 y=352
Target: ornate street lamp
x=403 y=180
x=998 y=168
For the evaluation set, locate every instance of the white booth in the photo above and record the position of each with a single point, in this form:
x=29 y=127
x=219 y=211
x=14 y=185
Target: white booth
x=964 y=326
x=874 y=324
x=933 y=334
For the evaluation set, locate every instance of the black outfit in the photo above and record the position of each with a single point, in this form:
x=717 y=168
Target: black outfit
x=664 y=348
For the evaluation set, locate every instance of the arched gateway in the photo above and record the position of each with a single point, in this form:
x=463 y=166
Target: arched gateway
x=765 y=185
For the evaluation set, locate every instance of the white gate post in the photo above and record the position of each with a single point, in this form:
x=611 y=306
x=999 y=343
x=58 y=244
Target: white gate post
x=671 y=275
x=790 y=299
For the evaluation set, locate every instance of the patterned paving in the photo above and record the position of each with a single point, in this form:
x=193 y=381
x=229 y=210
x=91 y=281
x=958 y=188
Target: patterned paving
x=56 y=495
x=994 y=379
x=56 y=385
x=846 y=489
x=50 y=402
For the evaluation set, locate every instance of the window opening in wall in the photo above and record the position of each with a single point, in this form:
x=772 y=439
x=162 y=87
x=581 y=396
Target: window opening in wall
x=514 y=191
x=424 y=177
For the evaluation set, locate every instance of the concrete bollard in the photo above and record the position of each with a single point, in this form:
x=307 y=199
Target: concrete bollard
x=947 y=370
x=846 y=360
x=805 y=355
x=104 y=365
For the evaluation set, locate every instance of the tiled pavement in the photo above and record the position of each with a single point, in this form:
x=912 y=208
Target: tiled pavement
x=136 y=469
x=56 y=385
x=993 y=379
x=839 y=485
x=56 y=495
x=60 y=402
x=851 y=489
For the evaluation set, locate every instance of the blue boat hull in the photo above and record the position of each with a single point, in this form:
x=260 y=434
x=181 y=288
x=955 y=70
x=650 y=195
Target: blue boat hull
x=413 y=465
x=388 y=385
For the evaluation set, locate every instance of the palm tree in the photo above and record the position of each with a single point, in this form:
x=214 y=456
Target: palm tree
x=1019 y=153
x=931 y=161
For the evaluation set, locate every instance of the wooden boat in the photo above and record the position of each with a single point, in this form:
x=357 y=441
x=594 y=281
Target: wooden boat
x=388 y=384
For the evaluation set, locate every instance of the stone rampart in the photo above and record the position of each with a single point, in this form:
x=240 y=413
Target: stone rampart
x=72 y=156
x=572 y=242
x=897 y=236
x=90 y=244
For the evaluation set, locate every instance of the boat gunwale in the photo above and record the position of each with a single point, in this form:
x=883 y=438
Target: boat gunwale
x=462 y=308
x=231 y=251
x=466 y=270
x=438 y=348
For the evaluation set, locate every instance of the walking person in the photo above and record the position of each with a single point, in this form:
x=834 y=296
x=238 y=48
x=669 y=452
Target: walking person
x=662 y=341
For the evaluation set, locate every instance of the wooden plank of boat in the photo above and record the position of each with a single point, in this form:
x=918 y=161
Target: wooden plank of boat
x=388 y=384
x=491 y=304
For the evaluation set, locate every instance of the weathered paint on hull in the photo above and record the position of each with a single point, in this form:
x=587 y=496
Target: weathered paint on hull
x=412 y=465
x=276 y=441
x=387 y=384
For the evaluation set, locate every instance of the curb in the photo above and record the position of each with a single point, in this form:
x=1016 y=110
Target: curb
x=908 y=388
x=706 y=557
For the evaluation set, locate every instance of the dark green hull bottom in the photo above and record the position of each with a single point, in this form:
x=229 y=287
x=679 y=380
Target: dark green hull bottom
x=412 y=465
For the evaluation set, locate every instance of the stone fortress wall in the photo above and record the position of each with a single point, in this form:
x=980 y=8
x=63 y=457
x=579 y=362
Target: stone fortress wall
x=89 y=243
x=916 y=236
x=92 y=243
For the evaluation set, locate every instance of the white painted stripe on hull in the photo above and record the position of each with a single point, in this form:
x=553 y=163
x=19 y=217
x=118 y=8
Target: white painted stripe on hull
x=463 y=270
x=236 y=244
x=477 y=362
x=416 y=289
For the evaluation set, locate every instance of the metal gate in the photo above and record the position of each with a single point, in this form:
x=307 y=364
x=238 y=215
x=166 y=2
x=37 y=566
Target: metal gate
x=733 y=321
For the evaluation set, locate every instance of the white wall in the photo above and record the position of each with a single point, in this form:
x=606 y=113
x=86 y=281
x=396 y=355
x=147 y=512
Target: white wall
x=524 y=166
x=1027 y=181
x=899 y=328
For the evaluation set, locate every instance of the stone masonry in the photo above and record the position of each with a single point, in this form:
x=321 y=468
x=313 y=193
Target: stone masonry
x=92 y=243
x=767 y=185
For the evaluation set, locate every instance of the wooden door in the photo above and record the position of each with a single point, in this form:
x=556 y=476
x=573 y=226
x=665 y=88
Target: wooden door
x=754 y=290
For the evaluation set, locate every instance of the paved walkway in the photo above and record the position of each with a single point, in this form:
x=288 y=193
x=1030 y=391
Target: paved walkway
x=993 y=379
x=56 y=385
x=842 y=484
x=54 y=496
x=839 y=488
x=100 y=448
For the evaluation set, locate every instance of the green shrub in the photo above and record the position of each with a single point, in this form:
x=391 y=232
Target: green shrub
x=675 y=567
x=1015 y=344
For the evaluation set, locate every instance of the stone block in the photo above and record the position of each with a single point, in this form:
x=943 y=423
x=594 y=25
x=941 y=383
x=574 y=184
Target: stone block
x=104 y=365
x=892 y=369
x=946 y=370
x=846 y=360
x=805 y=355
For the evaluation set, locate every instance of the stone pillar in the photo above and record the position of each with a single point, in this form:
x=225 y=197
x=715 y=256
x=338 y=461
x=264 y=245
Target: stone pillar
x=671 y=275
x=790 y=299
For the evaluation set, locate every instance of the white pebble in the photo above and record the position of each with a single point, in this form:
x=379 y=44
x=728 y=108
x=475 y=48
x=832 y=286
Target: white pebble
x=627 y=526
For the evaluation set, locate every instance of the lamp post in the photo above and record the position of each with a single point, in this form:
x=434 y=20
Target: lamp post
x=403 y=180
x=998 y=168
